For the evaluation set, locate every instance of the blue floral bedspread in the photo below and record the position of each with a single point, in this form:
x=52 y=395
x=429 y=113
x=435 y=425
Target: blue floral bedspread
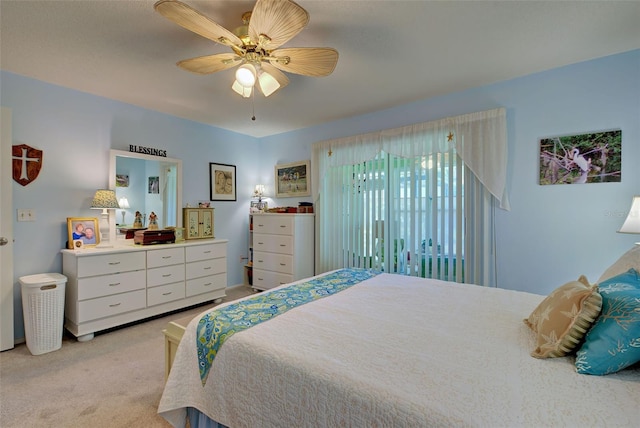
x=218 y=325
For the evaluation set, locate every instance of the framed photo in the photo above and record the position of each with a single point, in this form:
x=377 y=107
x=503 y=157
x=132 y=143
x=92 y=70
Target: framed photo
x=293 y=179
x=595 y=157
x=154 y=184
x=258 y=207
x=83 y=232
x=122 y=180
x=222 y=182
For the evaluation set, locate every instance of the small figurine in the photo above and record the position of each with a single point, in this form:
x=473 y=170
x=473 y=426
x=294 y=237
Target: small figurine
x=137 y=222
x=153 y=221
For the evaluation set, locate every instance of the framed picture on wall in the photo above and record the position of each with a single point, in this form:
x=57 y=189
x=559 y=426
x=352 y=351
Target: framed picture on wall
x=83 y=232
x=154 y=184
x=222 y=182
x=594 y=157
x=122 y=180
x=293 y=179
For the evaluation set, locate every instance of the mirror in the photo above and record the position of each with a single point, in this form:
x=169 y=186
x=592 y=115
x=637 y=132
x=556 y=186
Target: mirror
x=147 y=184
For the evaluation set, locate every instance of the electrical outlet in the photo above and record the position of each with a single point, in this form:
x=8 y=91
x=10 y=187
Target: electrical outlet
x=26 y=215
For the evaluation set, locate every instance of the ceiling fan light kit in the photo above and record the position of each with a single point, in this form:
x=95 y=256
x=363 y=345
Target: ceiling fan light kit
x=246 y=75
x=255 y=45
x=241 y=90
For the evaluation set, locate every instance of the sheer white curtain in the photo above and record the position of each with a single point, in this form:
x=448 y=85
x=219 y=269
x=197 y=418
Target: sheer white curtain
x=423 y=194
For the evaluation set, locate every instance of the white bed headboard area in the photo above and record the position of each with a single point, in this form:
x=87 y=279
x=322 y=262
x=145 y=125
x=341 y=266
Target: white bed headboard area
x=630 y=259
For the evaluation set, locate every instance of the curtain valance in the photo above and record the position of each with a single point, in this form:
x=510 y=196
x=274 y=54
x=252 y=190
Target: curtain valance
x=480 y=139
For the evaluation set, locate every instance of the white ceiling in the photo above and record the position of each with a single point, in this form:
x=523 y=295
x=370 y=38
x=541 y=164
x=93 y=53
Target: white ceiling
x=391 y=53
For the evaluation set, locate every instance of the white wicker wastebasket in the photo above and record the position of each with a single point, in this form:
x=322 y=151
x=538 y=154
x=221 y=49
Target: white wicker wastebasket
x=43 y=311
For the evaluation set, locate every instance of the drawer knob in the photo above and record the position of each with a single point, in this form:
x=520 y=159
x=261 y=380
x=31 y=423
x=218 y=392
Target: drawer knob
x=208 y=284
x=166 y=257
x=114 y=305
x=283 y=264
x=261 y=243
x=167 y=294
x=114 y=263
x=282 y=245
x=207 y=268
x=166 y=275
x=207 y=252
x=114 y=284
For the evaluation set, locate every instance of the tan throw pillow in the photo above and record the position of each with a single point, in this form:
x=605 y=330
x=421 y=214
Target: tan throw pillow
x=563 y=318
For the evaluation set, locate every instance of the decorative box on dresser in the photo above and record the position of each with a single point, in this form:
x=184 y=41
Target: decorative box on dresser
x=198 y=223
x=283 y=248
x=109 y=287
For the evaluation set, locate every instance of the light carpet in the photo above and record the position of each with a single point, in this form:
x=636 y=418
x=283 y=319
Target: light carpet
x=114 y=380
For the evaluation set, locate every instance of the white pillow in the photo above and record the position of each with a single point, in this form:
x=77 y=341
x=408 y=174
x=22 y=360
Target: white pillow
x=630 y=259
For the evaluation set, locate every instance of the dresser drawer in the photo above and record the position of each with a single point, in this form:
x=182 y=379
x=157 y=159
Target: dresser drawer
x=110 y=263
x=264 y=279
x=206 y=268
x=202 y=252
x=165 y=257
x=271 y=261
x=99 y=286
x=282 y=244
x=165 y=275
x=165 y=293
x=206 y=284
x=273 y=224
x=111 y=305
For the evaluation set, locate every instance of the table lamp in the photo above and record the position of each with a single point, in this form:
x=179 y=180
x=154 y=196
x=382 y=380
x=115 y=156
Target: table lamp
x=259 y=194
x=124 y=203
x=632 y=223
x=104 y=199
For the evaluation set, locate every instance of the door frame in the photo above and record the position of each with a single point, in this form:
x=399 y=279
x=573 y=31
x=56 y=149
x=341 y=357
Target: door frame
x=6 y=230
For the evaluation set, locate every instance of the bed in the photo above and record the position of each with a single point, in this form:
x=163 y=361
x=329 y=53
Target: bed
x=392 y=351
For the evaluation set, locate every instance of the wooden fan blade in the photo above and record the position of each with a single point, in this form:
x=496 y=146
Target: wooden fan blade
x=316 y=62
x=193 y=20
x=210 y=63
x=279 y=20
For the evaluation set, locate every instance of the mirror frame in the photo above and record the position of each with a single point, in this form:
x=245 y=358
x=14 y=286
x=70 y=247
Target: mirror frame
x=114 y=154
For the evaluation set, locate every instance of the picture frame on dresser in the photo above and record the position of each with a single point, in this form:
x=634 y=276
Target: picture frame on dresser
x=222 y=182
x=293 y=179
x=82 y=232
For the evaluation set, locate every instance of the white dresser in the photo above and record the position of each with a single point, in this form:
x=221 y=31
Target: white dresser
x=283 y=249
x=114 y=286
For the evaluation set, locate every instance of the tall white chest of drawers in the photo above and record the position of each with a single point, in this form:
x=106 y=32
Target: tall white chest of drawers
x=114 y=286
x=283 y=249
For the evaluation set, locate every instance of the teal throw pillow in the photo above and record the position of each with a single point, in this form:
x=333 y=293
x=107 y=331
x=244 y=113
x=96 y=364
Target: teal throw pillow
x=613 y=342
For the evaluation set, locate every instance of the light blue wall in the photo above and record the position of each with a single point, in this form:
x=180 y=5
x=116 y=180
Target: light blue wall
x=552 y=234
x=76 y=131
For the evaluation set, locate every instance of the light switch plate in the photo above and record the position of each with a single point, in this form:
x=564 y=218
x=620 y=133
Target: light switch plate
x=26 y=215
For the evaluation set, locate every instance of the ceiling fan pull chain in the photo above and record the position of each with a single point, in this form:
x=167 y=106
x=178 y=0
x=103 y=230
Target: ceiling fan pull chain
x=253 y=105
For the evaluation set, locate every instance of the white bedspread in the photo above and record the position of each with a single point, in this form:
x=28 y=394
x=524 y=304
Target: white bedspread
x=397 y=351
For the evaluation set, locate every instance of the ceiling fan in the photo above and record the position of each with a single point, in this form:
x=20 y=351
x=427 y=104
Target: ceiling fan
x=255 y=45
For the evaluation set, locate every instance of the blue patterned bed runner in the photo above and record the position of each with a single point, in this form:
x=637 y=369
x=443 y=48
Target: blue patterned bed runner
x=218 y=325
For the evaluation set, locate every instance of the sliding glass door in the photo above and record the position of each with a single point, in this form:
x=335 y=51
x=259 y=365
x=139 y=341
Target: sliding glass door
x=409 y=209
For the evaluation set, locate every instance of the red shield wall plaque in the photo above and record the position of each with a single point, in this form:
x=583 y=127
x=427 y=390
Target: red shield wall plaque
x=26 y=163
